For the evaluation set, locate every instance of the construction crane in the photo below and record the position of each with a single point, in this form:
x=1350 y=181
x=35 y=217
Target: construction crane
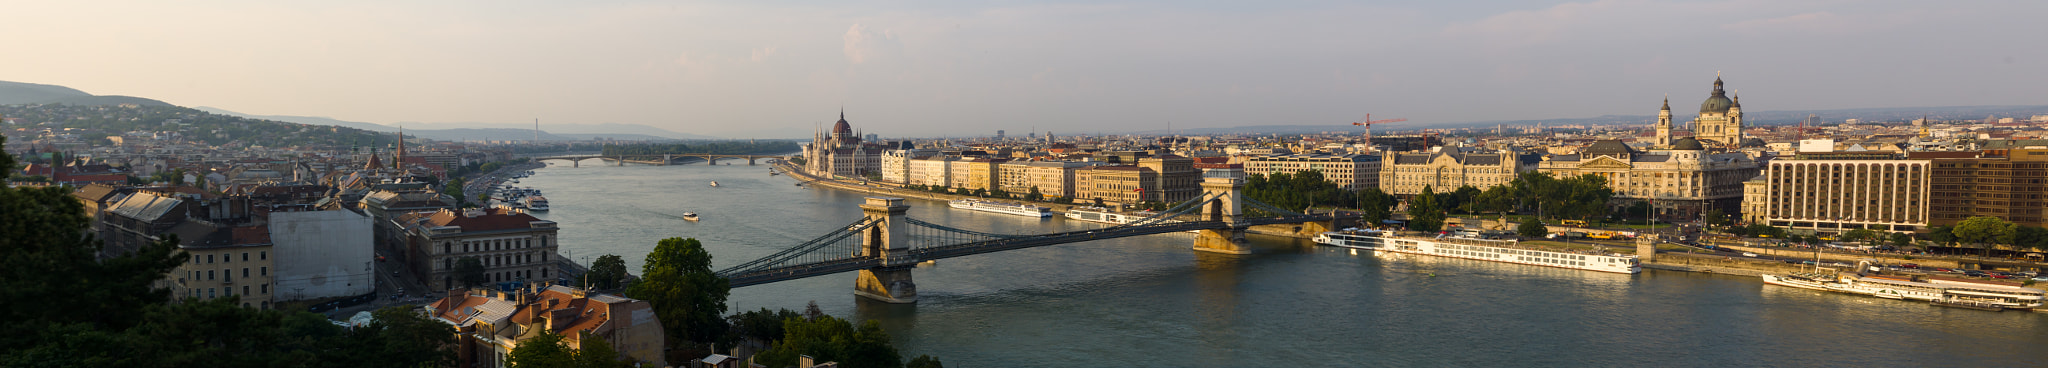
x=1368 y=122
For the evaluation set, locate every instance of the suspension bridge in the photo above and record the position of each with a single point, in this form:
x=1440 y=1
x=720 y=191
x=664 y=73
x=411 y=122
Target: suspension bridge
x=576 y=160
x=885 y=244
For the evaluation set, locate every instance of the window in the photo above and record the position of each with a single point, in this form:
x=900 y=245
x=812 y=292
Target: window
x=264 y=271
x=209 y=274
x=245 y=289
x=209 y=258
x=245 y=258
x=263 y=255
x=245 y=272
x=266 y=288
x=209 y=292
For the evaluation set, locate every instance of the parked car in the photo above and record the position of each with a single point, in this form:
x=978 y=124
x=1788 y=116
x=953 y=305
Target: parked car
x=1998 y=276
x=1748 y=254
x=2042 y=278
x=1909 y=265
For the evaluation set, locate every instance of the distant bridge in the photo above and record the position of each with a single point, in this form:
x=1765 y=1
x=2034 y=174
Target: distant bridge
x=884 y=244
x=576 y=160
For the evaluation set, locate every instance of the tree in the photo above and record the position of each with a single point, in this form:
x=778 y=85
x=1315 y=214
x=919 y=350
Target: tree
x=924 y=361
x=1945 y=235
x=1901 y=240
x=470 y=271
x=1376 y=206
x=454 y=189
x=544 y=351
x=762 y=326
x=1424 y=213
x=606 y=272
x=826 y=338
x=1461 y=200
x=1983 y=230
x=688 y=298
x=1715 y=217
x=1034 y=195
x=1863 y=235
x=1498 y=199
x=1532 y=228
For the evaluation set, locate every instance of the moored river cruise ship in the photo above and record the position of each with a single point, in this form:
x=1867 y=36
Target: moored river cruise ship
x=999 y=207
x=1103 y=215
x=1506 y=251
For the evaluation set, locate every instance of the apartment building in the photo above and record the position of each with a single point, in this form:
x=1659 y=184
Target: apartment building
x=1840 y=191
x=512 y=245
x=1349 y=171
x=932 y=170
x=1681 y=182
x=2006 y=184
x=490 y=323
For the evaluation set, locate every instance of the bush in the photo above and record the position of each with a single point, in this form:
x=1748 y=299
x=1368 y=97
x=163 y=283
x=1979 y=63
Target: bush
x=1532 y=229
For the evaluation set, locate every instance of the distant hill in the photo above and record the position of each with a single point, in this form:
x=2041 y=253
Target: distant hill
x=17 y=93
x=309 y=120
x=489 y=131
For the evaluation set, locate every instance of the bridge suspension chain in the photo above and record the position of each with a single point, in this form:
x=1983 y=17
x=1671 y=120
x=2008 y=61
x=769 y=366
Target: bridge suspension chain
x=800 y=250
x=914 y=221
x=1277 y=211
x=1182 y=209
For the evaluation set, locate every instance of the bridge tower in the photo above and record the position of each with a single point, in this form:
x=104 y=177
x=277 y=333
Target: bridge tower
x=1227 y=186
x=667 y=158
x=891 y=281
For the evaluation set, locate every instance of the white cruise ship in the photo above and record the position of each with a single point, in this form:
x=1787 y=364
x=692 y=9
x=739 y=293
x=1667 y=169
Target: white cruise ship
x=999 y=207
x=1479 y=249
x=1939 y=291
x=1104 y=215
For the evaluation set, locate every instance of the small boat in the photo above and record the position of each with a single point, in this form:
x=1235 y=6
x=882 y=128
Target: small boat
x=714 y=183
x=691 y=216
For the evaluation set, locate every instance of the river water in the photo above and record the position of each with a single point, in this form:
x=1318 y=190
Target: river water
x=1151 y=301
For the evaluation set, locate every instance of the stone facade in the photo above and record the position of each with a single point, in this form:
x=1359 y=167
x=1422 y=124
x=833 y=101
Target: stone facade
x=1406 y=173
x=840 y=152
x=512 y=245
x=1682 y=182
x=1349 y=171
x=1838 y=192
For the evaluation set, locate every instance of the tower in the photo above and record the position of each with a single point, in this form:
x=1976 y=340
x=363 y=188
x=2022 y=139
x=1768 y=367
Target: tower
x=1720 y=118
x=1664 y=124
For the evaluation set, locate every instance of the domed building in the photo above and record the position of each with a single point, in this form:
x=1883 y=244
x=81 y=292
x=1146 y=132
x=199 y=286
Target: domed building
x=1719 y=122
x=841 y=152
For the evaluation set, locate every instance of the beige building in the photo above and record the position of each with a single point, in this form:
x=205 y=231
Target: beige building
x=932 y=170
x=1349 y=171
x=1114 y=185
x=1178 y=180
x=1406 y=173
x=226 y=261
x=974 y=173
x=1839 y=191
x=1756 y=194
x=1720 y=120
x=1053 y=179
x=1682 y=182
x=512 y=245
x=489 y=324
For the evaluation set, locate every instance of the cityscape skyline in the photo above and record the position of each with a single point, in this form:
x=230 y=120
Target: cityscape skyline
x=920 y=69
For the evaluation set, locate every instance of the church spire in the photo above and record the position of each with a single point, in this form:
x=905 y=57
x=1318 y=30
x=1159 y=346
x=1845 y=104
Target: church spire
x=1667 y=102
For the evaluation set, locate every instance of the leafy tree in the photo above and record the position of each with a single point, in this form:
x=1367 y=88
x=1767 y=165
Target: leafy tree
x=1942 y=234
x=762 y=325
x=606 y=272
x=1498 y=199
x=924 y=361
x=826 y=338
x=1034 y=195
x=1425 y=214
x=470 y=271
x=491 y=166
x=1983 y=230
x=2030 y=237
x=1376 y=206
x=1461 y=200
x=1532 y=228
x=454 y=189
x=999 y=193
x=544 y=351
x=688 y=298
x=1715 y=217
x=1863 y=235
x=1901 y=240
x=598 y=353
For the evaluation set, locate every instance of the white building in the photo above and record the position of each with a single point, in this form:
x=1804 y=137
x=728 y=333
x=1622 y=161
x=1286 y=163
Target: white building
x=322 y=254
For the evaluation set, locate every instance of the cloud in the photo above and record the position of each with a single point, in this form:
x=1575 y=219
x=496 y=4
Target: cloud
x=1822 y=22
x=762 y=53
x=863 y=44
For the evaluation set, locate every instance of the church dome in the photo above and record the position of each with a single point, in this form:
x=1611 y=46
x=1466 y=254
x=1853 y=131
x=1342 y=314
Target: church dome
x=841 y=127
x=1719 y=102
x=1687 y=144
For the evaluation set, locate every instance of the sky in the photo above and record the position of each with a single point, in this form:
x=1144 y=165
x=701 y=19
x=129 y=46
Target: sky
x=780 y=69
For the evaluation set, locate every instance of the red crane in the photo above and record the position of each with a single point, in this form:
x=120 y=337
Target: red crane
x=1368 y=122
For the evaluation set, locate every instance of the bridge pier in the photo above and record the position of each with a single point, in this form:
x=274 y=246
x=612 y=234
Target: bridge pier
x=750 y=160
x=1228 y=187
x=890 y=282
x=887 y=284
x=1226 y=241
x=575 y=163
x=666 y=158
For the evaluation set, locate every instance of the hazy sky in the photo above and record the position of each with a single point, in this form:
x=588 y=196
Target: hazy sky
x=930 y=68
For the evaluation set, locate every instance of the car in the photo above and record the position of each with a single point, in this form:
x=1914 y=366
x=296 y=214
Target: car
x=1748 y=254
x=1939 y=269
x=1909 y=265
x=2042 y=278
x=1998 y=276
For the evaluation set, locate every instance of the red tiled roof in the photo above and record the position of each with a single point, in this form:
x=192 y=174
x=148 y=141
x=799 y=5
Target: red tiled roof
x=259 y=234
x=493 y=219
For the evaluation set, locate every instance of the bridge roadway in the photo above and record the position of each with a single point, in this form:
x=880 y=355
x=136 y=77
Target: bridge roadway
x=998 y=245
x=657 y=159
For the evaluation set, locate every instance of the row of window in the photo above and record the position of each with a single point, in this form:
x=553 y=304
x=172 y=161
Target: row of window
x=229 y=274
x=229 y=291
x=261 y=255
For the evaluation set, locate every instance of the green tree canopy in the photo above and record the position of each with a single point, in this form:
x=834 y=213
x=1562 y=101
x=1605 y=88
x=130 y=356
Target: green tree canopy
x=606 y=272
x=1532 y=228
x=1984 y=230
x=470 y=271
x=829 y=339
x=1376 y=206
x=1425 y=214
x=688 y=297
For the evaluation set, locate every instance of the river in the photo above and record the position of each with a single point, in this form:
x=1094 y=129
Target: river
x=1151 y=301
